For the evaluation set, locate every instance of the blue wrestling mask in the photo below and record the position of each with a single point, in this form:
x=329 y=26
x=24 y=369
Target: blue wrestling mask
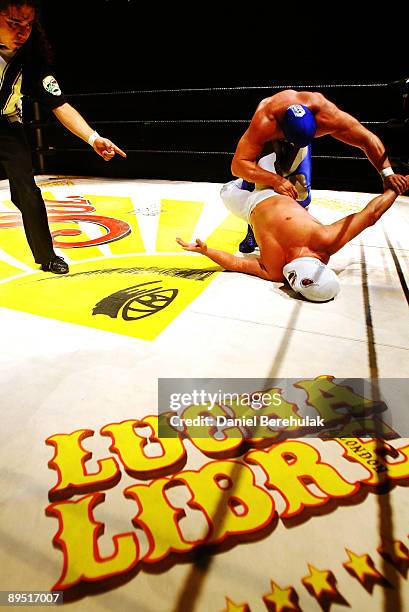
x=299 y=125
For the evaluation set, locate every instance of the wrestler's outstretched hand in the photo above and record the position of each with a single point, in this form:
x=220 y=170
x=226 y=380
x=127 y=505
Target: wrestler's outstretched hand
x=196 y=247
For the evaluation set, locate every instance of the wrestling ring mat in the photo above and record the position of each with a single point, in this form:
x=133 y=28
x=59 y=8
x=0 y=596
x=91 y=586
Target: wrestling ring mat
x=95 y=505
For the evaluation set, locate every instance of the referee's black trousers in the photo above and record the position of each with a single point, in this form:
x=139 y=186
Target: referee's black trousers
x=15 y=157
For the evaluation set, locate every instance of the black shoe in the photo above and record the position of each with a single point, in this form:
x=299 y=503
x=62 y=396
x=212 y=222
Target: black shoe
x=56 y=266
x=249 y=244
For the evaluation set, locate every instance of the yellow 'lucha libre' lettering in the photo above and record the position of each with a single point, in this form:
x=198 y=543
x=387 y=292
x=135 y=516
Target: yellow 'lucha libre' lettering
x=131 y=447
x=69 y=461
x=230 y=499
x=78 y=538
x=377 y=456
x=290 y=466
x=158 y=519
x=208 y=444
x=326 y=396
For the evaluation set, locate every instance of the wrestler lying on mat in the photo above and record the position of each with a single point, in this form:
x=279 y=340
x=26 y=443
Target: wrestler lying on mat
x=275 y=150
x=293 y=245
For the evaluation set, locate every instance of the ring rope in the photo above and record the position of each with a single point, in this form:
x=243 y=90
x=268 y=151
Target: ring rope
x=53 y=150
x=215 y=89
x=148 y=122
x=180 y=152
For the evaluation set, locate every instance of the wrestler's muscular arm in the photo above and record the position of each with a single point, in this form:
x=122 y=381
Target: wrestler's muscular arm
x=253 y=266
x=339 y=233
x=348 y=129
x=262 y=129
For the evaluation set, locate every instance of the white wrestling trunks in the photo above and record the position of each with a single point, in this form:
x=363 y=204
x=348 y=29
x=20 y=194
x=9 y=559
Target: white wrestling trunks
x=241 y=202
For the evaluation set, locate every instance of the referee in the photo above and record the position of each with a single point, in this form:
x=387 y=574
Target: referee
x=25 y=70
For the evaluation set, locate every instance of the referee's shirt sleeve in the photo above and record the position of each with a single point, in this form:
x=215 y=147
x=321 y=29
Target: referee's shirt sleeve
x=47 y=91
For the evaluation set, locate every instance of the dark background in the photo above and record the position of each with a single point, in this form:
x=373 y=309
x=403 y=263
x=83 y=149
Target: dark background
x=107 y=46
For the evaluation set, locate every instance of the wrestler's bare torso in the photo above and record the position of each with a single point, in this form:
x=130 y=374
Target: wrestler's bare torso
x=284 y=231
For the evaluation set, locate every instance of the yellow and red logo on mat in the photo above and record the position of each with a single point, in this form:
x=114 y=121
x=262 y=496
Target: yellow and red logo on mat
x=242 y=490
x=127 y=274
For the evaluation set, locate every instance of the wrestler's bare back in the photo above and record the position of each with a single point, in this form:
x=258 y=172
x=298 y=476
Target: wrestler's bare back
x=271 y=110
x=284 y=230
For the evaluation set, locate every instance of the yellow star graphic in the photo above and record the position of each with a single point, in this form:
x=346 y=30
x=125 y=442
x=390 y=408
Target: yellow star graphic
x=233 y=607
x=279 y=600
x=361 y=566
x=318 y=581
